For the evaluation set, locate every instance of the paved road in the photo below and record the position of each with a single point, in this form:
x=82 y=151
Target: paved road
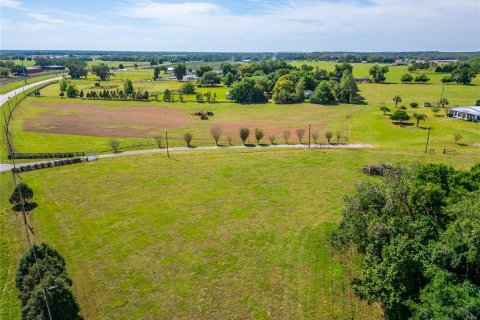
x=4 y=97
x=7 y=167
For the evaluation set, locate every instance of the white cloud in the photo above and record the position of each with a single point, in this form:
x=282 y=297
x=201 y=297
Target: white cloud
x=13 y=4
x=44 y=18
x=283 y=25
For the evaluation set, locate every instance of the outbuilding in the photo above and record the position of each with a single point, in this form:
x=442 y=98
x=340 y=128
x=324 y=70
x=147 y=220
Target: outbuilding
x=466 y=113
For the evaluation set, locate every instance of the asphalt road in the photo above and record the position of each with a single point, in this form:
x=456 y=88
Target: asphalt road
x=4 y=97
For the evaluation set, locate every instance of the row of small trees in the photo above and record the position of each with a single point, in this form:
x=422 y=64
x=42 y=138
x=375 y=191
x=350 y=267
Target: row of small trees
x=244 y=133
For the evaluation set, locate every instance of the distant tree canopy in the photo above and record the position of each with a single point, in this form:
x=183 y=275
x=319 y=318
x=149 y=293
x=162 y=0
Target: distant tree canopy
x=187 y=88
x=378 y=73
x=76 y=68
x=202 y=70
x=323 y=94
x=463 y=74
x=418 y=233
x=102 y=71
x=209 y=78
x=179 y=71
x=248 y=91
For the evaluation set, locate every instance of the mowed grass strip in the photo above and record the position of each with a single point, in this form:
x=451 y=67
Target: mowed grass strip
x=217 y=236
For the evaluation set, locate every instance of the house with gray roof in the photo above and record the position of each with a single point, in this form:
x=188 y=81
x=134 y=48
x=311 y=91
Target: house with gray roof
x=466 y=113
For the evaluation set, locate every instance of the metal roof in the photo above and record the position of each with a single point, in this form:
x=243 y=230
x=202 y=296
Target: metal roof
x=474 y=110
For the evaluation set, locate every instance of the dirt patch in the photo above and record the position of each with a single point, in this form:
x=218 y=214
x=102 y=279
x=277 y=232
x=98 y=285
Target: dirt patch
x=104 y=121
x=232 y=129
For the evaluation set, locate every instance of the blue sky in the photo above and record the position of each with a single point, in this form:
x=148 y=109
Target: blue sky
x=244 y=25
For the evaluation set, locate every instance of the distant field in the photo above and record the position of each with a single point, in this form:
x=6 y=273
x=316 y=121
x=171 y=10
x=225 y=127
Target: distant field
x=41 y=122
x=212 y=236
x=394 y=74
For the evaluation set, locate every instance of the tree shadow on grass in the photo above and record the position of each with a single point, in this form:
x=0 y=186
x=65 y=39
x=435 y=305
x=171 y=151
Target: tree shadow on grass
x=263 y=145
x=28 y=207
x=250 y=145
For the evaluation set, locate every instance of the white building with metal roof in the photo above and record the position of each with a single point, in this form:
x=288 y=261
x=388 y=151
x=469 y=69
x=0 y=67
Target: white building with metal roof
x=466 y=113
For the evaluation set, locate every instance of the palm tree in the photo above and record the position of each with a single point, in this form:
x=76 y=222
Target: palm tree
x=419 y=117
x=397 y=99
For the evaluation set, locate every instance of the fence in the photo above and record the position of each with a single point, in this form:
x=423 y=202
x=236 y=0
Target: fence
x=45 y=155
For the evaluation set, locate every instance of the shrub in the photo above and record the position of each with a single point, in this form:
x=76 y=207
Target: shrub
x=457 y=137
x=400 y=116
x=188 y=138
x=244 y=133
x=384 y=109
x=115 y=145
x=187 y=88
x=422 y=78
x=258 y=135
x=414 y=104
x=328 y=136
x=216 y=132
x=300 y=133
x=286 y=136
x=272 y=139
x=315 y=136
x=158 y=141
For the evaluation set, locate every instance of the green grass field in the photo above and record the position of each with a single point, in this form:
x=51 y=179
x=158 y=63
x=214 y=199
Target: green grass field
x=231 y=233
x=5 y=88
x=366 y=125
x=219 y=235
x=393 y=76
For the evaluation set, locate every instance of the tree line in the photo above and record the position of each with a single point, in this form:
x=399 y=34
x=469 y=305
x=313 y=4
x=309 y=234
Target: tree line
x=417 y=233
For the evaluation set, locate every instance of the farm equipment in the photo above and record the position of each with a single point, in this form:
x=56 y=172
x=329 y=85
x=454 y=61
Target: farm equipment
x=203 y=114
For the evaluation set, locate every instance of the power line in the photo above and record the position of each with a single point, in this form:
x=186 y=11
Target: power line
x=25 y=222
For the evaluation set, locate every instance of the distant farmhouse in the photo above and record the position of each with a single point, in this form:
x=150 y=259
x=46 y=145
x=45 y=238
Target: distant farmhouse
x=444 y=61
x=32 y=70
x=466 y=113
x=400 y=62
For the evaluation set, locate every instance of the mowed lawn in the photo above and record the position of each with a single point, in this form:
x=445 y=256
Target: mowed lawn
x=211 y=236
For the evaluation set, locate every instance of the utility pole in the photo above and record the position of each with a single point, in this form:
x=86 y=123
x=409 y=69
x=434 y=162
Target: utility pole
x=309 y=135
x=24 y=76
x=428 y=138
x=166 y=138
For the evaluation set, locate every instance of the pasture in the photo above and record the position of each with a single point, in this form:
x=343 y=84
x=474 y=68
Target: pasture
x=55 y=124
x=215 y=235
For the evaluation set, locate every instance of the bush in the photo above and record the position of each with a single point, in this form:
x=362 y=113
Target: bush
x=328 y=136
x=414 y=104
x=286 y=136
x=188 y=138
x=216 y=132
x=115 y=145
x=258 y=135
x=422 y=78
x=187 y=88
x=244 y=133
x=300 y=133
x=400 y=116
